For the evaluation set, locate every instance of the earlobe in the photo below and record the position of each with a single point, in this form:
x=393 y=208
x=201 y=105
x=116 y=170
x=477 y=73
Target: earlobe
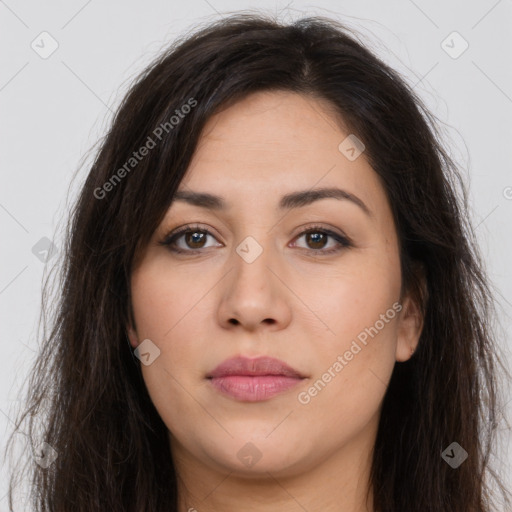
x=410 y=325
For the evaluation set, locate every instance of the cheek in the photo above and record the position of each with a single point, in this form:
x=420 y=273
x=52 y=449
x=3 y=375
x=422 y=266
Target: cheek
x=170 y=320
x=351 y=298
x=355 y=355
x=164 y=300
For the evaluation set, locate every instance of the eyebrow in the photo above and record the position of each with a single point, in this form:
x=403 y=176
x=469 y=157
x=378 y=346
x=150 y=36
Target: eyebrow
x=297 y=199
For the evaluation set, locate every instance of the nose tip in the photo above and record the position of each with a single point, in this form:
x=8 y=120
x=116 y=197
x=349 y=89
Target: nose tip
x=253 y=296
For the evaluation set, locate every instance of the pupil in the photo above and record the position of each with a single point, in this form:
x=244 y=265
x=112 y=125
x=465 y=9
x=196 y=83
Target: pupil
x=318 y=238
x=196 y=237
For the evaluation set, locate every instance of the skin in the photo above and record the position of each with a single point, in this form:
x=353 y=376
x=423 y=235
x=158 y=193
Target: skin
x=291 y=303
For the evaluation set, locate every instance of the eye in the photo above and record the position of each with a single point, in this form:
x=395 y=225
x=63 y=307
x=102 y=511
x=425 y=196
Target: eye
x=193 y=239
x=316 y=238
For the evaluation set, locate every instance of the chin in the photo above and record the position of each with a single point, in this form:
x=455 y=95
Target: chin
x=256 y=457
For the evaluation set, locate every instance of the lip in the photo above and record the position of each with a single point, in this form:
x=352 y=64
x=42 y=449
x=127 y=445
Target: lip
x=253 y=379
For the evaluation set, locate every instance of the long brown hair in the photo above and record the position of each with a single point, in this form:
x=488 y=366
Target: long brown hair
x=87 y=399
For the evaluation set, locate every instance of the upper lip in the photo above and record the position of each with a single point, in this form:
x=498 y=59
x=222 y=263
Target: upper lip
x=253 y=366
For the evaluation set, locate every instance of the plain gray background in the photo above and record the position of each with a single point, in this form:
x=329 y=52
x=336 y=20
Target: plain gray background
x=53 y=110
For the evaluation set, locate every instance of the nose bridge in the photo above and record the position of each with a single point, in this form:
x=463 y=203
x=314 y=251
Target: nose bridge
x=251 y=259
x=253 y=295
x=255 y=243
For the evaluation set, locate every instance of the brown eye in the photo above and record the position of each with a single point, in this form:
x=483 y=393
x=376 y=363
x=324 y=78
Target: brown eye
x=188 y=239
x=192 y=239
x=316 y=240
x=195 y=239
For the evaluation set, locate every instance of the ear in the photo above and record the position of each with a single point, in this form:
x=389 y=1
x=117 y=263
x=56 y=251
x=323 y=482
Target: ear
x=412 y=315
x=410 y=325
x=132 y=336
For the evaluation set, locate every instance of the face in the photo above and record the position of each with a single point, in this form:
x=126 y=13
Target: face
x=312 y=281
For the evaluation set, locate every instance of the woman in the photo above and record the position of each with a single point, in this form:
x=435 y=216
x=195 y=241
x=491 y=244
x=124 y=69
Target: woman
x=272 y=297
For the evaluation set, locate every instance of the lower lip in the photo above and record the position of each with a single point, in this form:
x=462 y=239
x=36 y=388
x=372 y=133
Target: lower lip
x=254 y=388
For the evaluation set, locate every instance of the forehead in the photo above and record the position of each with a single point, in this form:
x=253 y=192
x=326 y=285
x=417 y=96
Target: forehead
x=277 y=142
x=270 y=121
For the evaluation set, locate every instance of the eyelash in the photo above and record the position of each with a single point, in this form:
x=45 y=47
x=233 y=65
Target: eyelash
x=170 y=239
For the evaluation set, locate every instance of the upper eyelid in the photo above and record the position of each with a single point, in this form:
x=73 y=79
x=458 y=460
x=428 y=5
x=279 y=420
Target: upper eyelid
x=179 y=232
x=187 y=228
x=303 y=230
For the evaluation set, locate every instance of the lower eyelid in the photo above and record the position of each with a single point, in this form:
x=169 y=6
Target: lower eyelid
x=341 y=240
x=178 y=236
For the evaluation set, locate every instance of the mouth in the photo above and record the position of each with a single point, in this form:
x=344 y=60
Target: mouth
x=254 y=380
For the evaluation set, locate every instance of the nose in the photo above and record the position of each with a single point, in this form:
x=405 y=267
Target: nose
x=254 y=294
